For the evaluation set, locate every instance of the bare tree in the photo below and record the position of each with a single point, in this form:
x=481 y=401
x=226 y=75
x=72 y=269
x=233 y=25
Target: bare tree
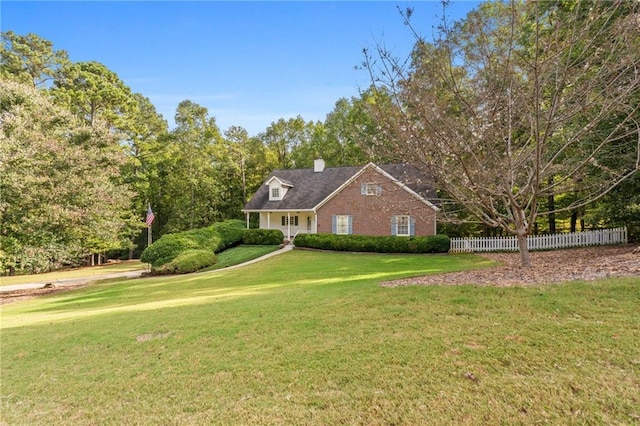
x=519 y=102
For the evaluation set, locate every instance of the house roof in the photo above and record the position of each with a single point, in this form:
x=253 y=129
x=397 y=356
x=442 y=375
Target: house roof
x=310 y=189
x=283 y=182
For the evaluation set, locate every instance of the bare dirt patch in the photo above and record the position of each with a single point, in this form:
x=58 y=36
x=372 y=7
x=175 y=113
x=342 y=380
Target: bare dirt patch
x=7 y=297
x=548 y=267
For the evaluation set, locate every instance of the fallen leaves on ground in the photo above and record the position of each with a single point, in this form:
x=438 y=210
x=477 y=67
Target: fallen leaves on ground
x=587 y=264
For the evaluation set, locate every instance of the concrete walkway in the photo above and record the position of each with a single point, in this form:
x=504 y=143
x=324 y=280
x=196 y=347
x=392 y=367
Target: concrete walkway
x=131 y=274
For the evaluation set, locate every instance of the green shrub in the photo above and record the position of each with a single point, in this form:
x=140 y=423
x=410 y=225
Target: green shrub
x=438 y=244
x=262 y=237
x=167 y=248
x=188 y=261
x=211 y=239
x=230 y=231
x=206 y=238
x=364 y=243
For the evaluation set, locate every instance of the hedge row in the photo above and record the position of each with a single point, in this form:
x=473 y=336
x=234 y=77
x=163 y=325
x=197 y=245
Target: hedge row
x=262 y=237
x=430 y=244
x=188 y=261
x=190 y=244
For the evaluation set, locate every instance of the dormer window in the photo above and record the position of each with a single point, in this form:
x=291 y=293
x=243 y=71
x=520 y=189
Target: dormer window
x=278 y=188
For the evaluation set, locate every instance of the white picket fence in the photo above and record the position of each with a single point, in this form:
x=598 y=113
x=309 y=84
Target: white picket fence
x=541 y=242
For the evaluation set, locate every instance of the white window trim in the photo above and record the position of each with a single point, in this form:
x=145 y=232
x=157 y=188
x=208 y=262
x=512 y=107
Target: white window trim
x=372 y=189
x=289 y=220
x=340 y=226
x=408 y=225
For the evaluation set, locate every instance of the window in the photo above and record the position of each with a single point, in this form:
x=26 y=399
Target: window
x=289 y=220
x=402 y=225
x=342 y=224
x=370 y=188
x=275 y=193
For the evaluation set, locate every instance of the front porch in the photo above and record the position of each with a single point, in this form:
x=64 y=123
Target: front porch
x=289 y=222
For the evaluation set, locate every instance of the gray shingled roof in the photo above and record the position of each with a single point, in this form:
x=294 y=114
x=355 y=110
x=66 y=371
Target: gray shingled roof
x=310 y=188
x=412 y=177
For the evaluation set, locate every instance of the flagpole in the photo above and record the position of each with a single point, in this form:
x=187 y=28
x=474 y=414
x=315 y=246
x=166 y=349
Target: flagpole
x=149 y=221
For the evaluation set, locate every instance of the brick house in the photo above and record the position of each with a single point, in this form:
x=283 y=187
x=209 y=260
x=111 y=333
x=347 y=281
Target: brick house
x=390 y=199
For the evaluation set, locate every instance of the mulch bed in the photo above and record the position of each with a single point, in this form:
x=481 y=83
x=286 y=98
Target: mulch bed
x=586 y=264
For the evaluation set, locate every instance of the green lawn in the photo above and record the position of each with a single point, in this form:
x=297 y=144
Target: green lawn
x=87 y=271
x=241 y=254
x=310 y=338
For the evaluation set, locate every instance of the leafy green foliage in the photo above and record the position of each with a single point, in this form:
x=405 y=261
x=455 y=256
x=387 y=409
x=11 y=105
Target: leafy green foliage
x=230 y=232
x=363 y=243
x=164 y=253
x=91 y=91
x=61 y=198
x=351 y=136
x=262 y=237
x=167 y=248
x=187 y=187
x=619 y=208
x=30 y=59
x=188 y=261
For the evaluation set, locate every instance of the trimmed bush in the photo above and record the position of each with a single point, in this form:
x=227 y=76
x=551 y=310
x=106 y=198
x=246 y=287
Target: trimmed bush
x=230 y=231
x=167 y=248
x=188 y=261
x=211 y=239
x=364 y=243
x=262 y=237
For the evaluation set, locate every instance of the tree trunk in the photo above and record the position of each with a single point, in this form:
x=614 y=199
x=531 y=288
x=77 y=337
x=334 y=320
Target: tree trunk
x=551 y=206
x=522 y=230
x=574 y=220
x=523 y=246
x=244 y=182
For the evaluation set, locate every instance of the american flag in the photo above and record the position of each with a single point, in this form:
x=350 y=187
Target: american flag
x=150 y=216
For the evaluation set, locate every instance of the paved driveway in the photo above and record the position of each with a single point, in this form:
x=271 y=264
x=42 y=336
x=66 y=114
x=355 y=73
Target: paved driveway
x=69 y=281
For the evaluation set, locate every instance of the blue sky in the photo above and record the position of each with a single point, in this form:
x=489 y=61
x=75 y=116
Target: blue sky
x=249 y=63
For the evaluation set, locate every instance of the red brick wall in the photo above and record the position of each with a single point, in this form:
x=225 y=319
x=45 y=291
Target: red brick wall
x=371 y=214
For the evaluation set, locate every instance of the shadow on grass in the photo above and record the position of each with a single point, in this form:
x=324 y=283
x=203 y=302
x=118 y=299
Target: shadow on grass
x=292 y=269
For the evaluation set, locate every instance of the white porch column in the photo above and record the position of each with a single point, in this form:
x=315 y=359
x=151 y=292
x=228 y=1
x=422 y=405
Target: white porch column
x=315 y=222
x=246 y=215
x=268 y=220
x=435 y=225
x=289 y=226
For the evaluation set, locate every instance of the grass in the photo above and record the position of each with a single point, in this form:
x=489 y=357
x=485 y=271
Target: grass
x=310 y=338
x=240 y=254
x=87 y=271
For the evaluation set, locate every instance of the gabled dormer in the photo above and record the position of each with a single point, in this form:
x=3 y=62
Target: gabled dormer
x=278 y=188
